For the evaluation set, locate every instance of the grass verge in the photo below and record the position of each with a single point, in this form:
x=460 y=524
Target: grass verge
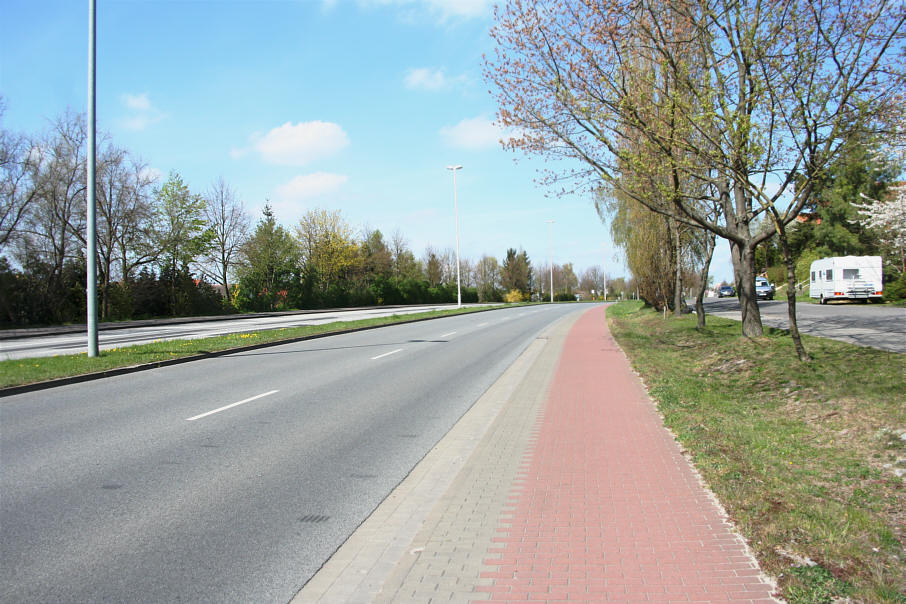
x=19 y=372
x=804 y=457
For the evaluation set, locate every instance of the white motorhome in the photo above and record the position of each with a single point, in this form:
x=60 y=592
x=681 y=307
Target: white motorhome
x=846 y=278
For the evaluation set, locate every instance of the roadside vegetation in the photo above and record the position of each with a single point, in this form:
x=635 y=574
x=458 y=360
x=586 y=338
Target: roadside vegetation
x=776 y=127
x=808 y=459
x=168 y=249
x=28 y=371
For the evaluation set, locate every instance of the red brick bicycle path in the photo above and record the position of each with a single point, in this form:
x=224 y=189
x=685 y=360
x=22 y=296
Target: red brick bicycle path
x=561 y=484
x=606 y=508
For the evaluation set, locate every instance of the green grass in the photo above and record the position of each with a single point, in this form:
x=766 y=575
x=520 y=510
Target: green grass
x=27 y=371
x=801 y=455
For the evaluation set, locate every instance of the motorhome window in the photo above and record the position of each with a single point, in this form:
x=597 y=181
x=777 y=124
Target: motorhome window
x=850 y=273
x=813 y=275
x=829 y=275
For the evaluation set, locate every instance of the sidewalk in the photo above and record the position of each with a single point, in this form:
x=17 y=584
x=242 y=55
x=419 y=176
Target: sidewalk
x=560 y=484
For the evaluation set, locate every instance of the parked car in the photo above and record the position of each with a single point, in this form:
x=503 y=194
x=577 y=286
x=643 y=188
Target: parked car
x=764 y=289
x=726 y=291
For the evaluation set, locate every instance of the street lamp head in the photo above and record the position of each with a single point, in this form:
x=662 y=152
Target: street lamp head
x=454 y=167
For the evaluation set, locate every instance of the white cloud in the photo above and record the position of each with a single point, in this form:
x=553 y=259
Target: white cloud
x=468 y=9
x=140 y=112
x=425 y=78
x=308 y=186
x=151 y=174
x=442 y=10
x=136 y=102
x=298 y=144
x=473 y=134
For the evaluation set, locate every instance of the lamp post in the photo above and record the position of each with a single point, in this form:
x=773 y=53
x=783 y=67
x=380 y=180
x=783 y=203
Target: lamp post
x=456 y=214
x=550 y=253
x=90 y=253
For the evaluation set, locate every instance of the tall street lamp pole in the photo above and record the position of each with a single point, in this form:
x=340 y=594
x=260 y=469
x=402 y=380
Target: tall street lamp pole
x=456 y=213
x=90 y=253
x=550 y=253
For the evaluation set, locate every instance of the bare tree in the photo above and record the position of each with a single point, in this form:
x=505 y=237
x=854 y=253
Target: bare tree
x=467 y=272
x=124 y=210
x=593 y=278
x=447 y=259
x=405 y=264
x=17 y=169
x=52 y=229
x=134 y=244
x=228 y=224
x=487 y=279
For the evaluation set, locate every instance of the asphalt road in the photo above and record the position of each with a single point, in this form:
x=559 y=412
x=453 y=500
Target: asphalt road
x=232 y=479
x=872 y=325
x=64 y=340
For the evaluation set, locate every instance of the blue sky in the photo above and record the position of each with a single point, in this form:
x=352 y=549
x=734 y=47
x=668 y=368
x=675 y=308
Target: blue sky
x=356 y=105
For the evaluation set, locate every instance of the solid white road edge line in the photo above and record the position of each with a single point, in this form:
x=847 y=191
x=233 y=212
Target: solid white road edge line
x=447 y=334
x=386 y=354
x=482 y=324
x=248 y=400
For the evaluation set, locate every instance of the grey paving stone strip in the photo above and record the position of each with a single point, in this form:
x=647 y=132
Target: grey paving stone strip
x=427 y=541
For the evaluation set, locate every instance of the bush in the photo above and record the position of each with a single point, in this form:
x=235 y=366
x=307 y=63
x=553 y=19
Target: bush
x=777 y=274
x=513 y=296
x=896 y=290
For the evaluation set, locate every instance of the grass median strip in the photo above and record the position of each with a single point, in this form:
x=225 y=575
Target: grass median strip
x=28 y=371
x=808 y=459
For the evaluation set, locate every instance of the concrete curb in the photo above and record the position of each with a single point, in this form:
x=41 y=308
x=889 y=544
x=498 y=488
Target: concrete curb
x=87 y=377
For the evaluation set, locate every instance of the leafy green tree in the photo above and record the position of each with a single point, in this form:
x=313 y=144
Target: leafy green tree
x=180 y=235
x=565 y=279
x=329 y=248
x=269 y=263
x=377 y=256
x=434 y=267
x=640 y=234
x=837 y=228
x=516 y=272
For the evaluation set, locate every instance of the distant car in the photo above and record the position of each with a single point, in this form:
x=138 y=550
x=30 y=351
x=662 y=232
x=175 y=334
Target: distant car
x=764 y=289
x=726 y=291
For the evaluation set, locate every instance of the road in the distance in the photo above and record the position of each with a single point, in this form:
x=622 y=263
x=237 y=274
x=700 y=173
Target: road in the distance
x=49 y=344
x=232 y=479
x=881 y=327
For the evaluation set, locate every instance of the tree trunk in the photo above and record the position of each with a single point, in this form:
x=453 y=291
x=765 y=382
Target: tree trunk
x=790 y=291
x=748 y=300
x=678 y=266
x=706 y=267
